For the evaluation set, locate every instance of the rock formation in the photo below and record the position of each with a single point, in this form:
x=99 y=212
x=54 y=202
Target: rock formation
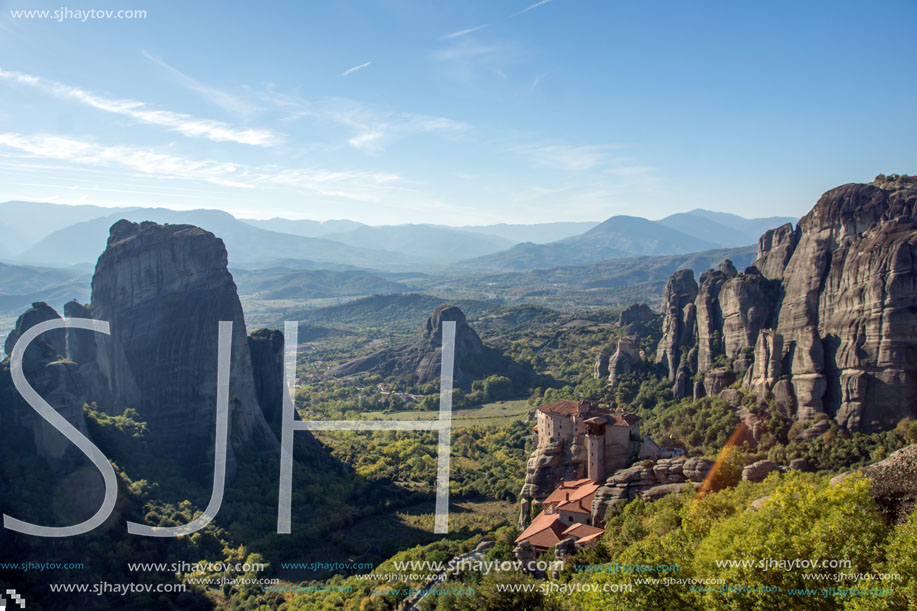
x=649 y=480
x=266 y=349
x=636 y=319
x=164 y=289
x=634 y=323
x=894 y=482
x=625 y=358
x=421 y=360
x=824 y=321
x=549 y=464
x=57 y=380
x=757 y=471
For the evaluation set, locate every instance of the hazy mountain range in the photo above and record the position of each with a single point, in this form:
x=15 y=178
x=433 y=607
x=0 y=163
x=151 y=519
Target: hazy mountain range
x=622 y=237
x=302 y=259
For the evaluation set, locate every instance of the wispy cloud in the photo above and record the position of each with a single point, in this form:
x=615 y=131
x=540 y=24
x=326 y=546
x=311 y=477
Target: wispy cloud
x=468 y=61
x=366 y=186
x=371 y=130
x=530 y=7
x=461 y=33
x=536 y=82
x=355 y=68
x=139 y=160
x=138 y=111
x=220 y=98
x=564 y=156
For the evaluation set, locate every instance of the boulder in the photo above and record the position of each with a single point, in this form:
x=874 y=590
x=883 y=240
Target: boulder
x=757 y=471
x=815 y=430
x=894 y=482
x=696 y=469
x=758 y=503
x=657 y=492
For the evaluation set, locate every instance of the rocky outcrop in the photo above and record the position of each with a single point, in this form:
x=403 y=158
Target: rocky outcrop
x=721 y=321
x=637 y=319
x=164 y=289
x=56 y=379
x=678 y=326
x=650 y=481
x=49 y=346
x=545 y=467
x=266 y=349
x=757 y=471
x=716 y=380
x=421 y=360
x=600 y=367
x=894 y=482
x=823 y=322
x=625 y=358
x=635 y=322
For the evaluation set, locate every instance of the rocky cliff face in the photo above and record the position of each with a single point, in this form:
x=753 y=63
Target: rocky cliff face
x=266 y=348
x=421 y=360
x=825 y=319
x=56 y=379
x=164 y=289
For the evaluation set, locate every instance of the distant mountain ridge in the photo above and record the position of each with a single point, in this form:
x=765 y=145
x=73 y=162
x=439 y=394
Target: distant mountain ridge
x=83 y=241
x=623 y=236
x=722 y=228
x=75 y=234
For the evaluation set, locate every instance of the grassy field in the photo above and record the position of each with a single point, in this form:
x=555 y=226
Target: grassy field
x=496 y=414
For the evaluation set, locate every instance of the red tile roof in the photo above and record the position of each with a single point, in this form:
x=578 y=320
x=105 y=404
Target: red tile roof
x=583 y=505
x=571 y=490
x=565 y=407
x=594 y=414
x=574 y=496
x=619 y=419
x=578 y=531
x=589 y=538
x=543 y=532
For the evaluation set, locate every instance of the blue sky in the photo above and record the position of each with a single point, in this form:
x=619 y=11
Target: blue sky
x=456 y=112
